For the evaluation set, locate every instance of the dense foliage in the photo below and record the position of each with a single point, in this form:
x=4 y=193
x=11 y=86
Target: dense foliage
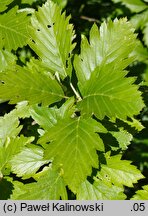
x=73 y=94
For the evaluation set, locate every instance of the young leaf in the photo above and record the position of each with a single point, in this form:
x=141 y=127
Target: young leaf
x=52 y=37
x=141 y=194
x=100 y=190
x=28 y=161
x=99 y=67
x=78 y=139
x=13 y=27
x=50 y=186
x=19 y=84
x=119 y=172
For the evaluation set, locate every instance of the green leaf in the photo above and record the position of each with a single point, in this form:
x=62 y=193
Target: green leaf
x=4 y=4
x=140 y=20
x=77 y=137
x=141 y=194
x=100 y=190
x=135 y=123
x=104 y=47
x=111 y=95
x=22 y=110
x=6 y=58
x=50 y=186
x=119 y=172
x=13 y=28
x=17 y=190
x=123 y=137
x=48 y=117
x=28 y=161
x=99 y=67
x=133 y=5
x=19 y=84
x=52 y=37
x=11 y=148
x=9 y=127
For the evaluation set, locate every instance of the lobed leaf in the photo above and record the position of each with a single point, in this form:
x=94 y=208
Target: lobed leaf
x=19 y=84
x=50 y=186
x=105 y=89
x=77 y=137
x=52 y=37
x=48 y=117
x=119 y=172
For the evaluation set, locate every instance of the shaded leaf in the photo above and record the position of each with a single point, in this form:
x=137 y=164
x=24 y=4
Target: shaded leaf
x=6 y=188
